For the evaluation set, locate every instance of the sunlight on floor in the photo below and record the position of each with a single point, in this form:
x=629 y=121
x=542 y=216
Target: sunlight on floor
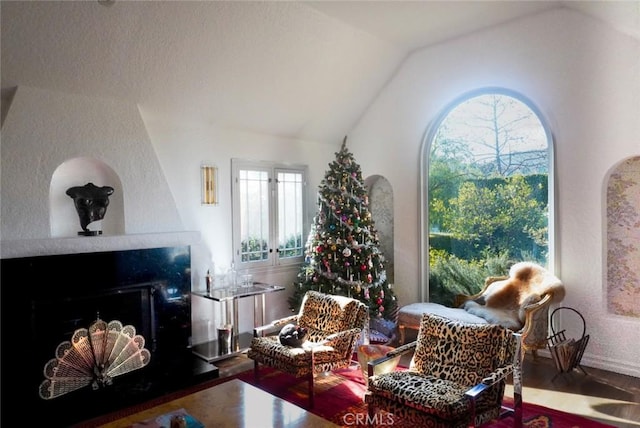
x=584 y=405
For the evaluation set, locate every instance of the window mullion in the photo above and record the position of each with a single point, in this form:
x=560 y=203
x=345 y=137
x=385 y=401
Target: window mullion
x=270 y=199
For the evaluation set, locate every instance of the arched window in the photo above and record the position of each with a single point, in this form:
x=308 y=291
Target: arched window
x=487 y=199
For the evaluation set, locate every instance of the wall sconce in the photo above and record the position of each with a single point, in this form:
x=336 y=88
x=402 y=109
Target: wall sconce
x=209 y=184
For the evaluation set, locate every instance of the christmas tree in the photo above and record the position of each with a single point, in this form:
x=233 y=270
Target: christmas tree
x=342 y=254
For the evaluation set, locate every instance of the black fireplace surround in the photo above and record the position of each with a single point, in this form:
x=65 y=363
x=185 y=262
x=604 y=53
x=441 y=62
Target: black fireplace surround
x=44 y=299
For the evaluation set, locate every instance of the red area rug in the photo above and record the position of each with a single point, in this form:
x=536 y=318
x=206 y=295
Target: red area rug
x=338 y=398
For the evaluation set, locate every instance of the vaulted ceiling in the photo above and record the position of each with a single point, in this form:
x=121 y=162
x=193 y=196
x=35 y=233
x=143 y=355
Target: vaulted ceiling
x=304 y=70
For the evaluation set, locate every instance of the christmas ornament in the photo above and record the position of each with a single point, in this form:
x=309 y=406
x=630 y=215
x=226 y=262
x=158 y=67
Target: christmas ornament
x=342 y=254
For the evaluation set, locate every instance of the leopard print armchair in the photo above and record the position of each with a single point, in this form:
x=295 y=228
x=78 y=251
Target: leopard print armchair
x=333 y=325
x=456 y=378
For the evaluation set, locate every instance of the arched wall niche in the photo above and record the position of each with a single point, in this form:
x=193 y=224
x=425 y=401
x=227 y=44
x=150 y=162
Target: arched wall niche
x=381 y=208
x=63 y=217
x=622 y=292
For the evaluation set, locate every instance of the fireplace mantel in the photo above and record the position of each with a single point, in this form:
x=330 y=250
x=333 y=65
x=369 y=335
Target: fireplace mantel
x=90 y=244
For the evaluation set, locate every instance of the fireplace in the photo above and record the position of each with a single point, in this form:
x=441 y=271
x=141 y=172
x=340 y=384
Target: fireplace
x=46 y=298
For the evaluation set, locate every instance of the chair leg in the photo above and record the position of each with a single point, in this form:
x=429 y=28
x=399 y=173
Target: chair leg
x=472 y=408
x=370 y=411
x=517 y=410
x=401 y=331
x=311 y=402
x=518 y=361
x=256 y=376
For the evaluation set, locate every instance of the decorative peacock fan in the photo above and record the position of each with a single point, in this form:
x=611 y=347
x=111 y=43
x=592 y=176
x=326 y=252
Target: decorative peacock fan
x=94 y=357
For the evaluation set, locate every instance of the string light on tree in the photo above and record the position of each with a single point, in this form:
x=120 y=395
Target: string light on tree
x=342 y=254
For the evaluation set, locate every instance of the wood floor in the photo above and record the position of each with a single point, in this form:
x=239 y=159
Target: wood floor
x=600 y=395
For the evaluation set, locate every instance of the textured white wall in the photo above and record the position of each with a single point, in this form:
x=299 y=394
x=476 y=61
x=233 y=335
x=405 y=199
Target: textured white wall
x=158 y=165
x=181 y=148
x=43 y=129
x=585 y=78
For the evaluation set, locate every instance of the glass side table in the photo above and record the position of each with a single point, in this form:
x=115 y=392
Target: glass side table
x=219 y=349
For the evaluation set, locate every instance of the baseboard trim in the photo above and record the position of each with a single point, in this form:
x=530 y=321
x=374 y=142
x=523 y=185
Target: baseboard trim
x=608 y=364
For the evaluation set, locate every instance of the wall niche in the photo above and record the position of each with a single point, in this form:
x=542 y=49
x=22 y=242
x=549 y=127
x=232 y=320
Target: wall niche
x=623 y=239
x=79 y=171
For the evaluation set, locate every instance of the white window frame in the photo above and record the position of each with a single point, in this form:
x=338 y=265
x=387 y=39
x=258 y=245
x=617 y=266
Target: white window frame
x=272 y=168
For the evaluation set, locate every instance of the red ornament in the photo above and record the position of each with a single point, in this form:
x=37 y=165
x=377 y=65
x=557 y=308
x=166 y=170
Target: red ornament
x=363 y=267
x=319 y=249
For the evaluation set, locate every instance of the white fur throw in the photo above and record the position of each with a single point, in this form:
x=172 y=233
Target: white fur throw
x=503 y=302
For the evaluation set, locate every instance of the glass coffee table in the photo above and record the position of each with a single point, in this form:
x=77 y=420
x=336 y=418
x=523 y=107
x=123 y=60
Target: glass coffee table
x=230 y=404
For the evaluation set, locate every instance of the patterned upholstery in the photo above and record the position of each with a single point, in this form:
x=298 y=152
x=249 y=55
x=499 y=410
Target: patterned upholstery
x=334 y=324
x=450 y=358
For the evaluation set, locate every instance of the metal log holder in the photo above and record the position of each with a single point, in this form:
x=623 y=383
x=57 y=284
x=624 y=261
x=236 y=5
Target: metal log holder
x=566 y=352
